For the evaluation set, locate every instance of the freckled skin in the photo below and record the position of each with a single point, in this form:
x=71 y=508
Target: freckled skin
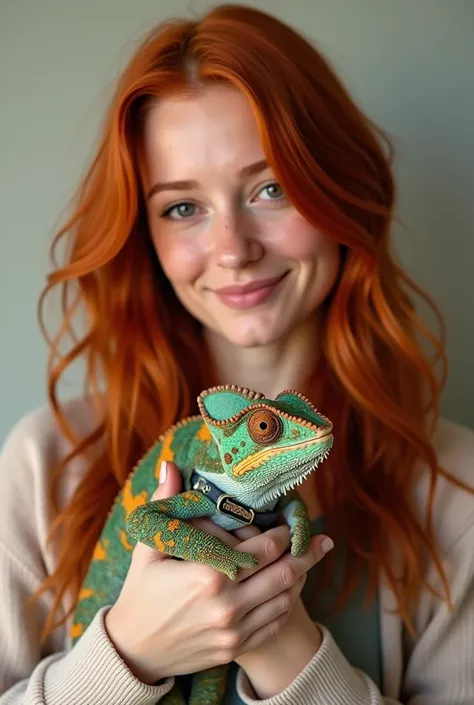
x=258 y=468
x=234 y=229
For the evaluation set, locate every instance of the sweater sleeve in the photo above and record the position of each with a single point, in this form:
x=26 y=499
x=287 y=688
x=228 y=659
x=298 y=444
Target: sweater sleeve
x=438 y=668
x=91 y=672
x=327 y=679
x=49 y=673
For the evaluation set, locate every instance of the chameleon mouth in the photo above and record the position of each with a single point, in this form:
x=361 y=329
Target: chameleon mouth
x=294 y=481
x=256 y=460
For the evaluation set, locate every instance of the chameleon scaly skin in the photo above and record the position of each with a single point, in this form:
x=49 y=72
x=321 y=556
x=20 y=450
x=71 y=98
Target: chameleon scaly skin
x=255 y=450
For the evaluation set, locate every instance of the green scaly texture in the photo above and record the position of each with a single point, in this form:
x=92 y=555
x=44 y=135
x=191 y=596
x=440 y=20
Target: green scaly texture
x=255 y=450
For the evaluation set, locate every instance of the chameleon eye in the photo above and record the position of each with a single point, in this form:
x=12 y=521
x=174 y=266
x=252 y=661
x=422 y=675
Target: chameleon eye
x=264 y=427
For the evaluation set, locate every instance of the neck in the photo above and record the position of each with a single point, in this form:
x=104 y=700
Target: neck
x=283 y=364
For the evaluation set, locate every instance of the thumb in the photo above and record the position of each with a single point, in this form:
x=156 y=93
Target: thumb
x=170 y=484
x=170 y=481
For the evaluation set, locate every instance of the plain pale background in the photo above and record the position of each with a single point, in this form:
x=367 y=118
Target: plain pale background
x=408 y=63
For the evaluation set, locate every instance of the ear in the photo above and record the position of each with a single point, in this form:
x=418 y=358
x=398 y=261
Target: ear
x=220 y=404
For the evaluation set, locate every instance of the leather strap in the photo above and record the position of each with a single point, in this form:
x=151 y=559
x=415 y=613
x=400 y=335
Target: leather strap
x=225 y=504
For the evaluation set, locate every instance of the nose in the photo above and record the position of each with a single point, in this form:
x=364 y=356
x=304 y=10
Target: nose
x=234 y=243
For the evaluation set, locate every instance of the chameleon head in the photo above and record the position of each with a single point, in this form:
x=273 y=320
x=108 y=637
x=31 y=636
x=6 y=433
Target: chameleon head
x=268 y=446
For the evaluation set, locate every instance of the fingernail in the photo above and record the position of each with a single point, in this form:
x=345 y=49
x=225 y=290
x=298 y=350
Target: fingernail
x=327 y=544
x=163 y=469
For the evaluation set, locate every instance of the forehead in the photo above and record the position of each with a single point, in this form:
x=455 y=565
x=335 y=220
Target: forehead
x=213 y=129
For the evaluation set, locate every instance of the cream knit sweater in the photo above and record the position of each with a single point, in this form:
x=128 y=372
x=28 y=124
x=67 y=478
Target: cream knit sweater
x=435 y=669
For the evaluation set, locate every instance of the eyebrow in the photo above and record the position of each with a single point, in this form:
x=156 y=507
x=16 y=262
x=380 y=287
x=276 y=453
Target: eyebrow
x=249 y=170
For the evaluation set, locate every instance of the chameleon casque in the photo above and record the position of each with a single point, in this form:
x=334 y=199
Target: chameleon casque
x=240 y=460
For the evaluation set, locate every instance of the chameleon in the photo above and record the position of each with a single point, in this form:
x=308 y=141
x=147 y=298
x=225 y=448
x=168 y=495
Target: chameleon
x=240 y=459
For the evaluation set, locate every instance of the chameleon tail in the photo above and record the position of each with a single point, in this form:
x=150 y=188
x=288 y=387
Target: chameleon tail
x=174 y=697
x=209 y=686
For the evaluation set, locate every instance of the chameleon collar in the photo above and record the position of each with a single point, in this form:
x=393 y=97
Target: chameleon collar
x=225 y=504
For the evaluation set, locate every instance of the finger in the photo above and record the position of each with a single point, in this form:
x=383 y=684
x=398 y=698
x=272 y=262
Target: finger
x=247 y=532
x=280 y=575
x=271 y=609
x=267 y=547
x=170 y=484
x=262 y=635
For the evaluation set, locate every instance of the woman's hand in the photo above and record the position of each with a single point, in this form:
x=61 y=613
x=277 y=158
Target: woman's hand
x=274 y=665
x=175 y=617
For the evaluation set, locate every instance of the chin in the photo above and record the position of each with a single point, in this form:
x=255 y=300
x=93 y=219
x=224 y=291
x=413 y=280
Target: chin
x=246 y=341
x=245 y=335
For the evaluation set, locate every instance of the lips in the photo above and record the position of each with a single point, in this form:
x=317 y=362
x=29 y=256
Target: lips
x=250 y=286
x=241 y=296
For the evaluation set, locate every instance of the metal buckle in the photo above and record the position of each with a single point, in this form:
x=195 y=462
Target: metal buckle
x=230 y=507
x=202 y=485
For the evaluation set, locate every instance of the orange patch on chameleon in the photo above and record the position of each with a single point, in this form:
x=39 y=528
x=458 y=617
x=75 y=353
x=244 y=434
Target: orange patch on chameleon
x=166 y=453
x=100 y=552
x=173 y=524
x=160 y=544
x=124 y=541
x=190 y=496
x=131 y=501
x=77 y=630
x=256 y=460
x=84 y=593
x=203 y=434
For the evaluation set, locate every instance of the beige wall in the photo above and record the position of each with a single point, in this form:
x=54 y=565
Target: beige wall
x=409 y=63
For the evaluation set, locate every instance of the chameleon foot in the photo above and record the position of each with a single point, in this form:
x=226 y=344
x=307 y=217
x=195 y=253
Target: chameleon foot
x=300 y=538
x=152 y=525
x=226 y=560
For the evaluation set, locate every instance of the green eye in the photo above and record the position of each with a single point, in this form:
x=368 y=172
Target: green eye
x=273 y=191
x=180 y=211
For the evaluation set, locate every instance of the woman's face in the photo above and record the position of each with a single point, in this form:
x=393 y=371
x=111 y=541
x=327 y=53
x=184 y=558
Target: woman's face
x=239 y=256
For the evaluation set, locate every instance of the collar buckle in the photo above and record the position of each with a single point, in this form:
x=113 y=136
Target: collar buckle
x=202 y=485
x=225 y=504
x=230 y=507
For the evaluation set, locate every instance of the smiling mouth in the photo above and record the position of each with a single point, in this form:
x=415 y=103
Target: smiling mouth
x=251 y=294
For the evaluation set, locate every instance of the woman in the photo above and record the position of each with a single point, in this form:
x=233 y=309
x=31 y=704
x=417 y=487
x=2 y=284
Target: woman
x=234 y=228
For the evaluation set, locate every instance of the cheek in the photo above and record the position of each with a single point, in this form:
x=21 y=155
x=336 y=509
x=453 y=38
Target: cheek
x=299 y=240
x=182 y=259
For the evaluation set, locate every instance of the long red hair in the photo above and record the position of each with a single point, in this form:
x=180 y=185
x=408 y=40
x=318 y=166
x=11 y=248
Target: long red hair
x=374 y=380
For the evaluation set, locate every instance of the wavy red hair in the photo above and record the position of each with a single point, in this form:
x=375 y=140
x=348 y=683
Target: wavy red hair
x=374 y=380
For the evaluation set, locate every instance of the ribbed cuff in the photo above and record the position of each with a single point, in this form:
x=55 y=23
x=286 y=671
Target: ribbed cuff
x=327 y=678
x=93 y=672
